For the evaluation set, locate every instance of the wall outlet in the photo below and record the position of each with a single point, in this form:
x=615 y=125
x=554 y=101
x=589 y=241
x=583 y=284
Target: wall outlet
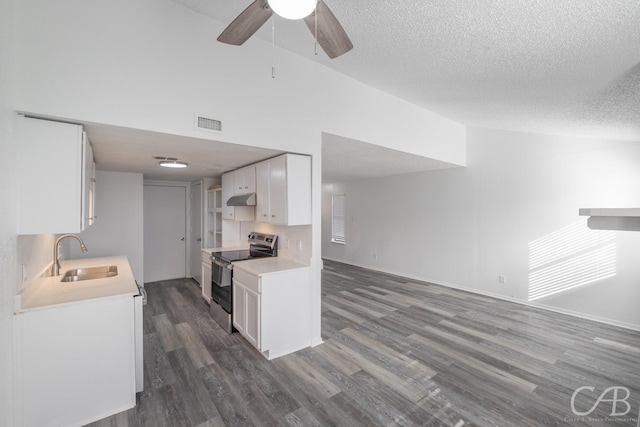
x=502 y=279
x=286 y=243
x=299 y=245
x=24 y=273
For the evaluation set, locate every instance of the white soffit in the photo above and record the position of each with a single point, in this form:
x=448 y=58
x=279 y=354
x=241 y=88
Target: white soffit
x=345 y=159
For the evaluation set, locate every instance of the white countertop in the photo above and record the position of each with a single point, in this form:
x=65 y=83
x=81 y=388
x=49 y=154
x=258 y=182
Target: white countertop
x=48 y=291
x=261 y=266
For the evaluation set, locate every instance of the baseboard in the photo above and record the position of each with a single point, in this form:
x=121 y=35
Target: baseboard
x=598 y=319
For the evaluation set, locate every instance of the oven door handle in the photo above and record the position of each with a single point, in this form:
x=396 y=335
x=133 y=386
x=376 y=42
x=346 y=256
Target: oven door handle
x=219 y=264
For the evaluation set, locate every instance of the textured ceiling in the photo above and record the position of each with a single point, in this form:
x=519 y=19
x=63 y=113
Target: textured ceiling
x=547 y=66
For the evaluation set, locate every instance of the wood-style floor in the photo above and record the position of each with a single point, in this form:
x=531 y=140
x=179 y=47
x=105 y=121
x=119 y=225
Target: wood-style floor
x=396 y=352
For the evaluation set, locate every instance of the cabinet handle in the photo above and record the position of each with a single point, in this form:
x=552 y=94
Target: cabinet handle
x=273 y=216
x=265 y=215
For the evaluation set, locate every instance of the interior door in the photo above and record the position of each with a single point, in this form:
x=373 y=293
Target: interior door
x=165 y=228
x=195 y=257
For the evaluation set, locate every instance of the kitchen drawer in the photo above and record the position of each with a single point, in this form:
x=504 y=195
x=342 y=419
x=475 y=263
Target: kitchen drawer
x=247 y=280
x=206 y=257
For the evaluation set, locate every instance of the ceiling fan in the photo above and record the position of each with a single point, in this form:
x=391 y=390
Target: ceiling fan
x=319 y=19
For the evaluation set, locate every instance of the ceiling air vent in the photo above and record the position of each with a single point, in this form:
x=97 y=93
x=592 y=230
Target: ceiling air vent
x=205 y=123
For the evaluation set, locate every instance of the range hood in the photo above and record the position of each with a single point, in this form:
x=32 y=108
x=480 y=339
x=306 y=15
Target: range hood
x=242 y=200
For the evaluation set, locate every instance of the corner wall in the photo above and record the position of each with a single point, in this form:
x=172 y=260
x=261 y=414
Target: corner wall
x=8 y=238
x=464 y=227
x=119 y=227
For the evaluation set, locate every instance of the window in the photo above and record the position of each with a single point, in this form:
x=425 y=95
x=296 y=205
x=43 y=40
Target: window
x=337 y=218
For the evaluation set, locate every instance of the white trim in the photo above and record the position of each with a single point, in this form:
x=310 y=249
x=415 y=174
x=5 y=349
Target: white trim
x=598 y=319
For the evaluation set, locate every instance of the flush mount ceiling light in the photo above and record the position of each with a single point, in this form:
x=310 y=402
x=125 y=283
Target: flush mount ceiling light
x=293 y=9
x=171 y=162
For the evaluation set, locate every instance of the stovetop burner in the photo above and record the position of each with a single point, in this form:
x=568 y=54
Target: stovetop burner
x=231 y=256
x=260 y=246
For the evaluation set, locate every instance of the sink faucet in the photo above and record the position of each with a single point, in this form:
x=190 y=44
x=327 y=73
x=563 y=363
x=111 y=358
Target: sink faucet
x=55 y=269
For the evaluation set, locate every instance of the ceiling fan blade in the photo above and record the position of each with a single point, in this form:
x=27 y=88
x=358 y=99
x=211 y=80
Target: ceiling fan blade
x=331 y=36
x=247 y=23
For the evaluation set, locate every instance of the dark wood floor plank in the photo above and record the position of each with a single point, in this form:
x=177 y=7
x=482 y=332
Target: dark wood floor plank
x=158 y=371
x=166 y=332
x=196 y=350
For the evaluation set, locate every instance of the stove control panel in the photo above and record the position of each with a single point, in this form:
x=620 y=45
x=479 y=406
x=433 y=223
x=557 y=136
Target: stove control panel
x=260 y=239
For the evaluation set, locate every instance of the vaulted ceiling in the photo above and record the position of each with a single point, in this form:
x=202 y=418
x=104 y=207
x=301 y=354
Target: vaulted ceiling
x=569 y=67
x=547 y=66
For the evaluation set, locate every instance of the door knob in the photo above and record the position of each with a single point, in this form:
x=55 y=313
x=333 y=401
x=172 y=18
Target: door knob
x=198 y=240
x=182 y=239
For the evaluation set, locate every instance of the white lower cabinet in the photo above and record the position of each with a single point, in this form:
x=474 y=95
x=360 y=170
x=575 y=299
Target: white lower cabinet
x=75 y=363
x=206 y=276
x=272 y=311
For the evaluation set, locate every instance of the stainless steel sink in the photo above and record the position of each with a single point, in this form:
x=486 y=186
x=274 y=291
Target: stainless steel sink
x=90 y=273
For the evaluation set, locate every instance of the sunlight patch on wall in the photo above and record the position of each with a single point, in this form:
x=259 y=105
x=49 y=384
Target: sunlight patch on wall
x=571 y=257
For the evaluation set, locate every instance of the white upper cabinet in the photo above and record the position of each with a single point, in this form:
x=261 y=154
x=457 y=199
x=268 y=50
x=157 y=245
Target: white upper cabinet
x=229 y=189
x=262 y=192
x=88 y=184
x=56 y=177
x=283 y=190
x=245 y=180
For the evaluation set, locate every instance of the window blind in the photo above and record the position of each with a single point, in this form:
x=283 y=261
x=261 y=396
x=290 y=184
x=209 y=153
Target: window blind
x=337 y=218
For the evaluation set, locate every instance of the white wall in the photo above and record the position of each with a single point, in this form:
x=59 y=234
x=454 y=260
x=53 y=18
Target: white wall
x=119 y=227
x=8 y=224
x=151 y=64
x=466 y=226
x=35 y=253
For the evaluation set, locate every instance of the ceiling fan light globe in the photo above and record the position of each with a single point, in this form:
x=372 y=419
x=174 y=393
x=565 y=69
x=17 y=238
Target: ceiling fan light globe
x=293 y=9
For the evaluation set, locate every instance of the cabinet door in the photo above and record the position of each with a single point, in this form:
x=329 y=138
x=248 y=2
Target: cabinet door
x=74 y=372
x=88 y=183
x=252 y=319
x=262 y=192
x=239 y=307
x=278 y=190
x=49 y=177
x=245 y=180
x=206 y=280
x=228 y=212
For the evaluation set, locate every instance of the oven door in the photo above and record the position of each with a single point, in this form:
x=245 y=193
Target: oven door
x=221 y=274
